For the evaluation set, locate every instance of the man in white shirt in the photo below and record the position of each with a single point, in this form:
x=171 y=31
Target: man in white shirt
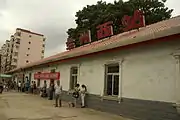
x=58 y=93
x=19 y=86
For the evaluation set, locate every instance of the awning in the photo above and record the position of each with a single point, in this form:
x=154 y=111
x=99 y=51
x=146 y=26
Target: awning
x=5 y=76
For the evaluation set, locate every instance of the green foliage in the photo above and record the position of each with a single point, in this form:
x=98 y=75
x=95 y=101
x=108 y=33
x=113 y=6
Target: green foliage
x=93 y=15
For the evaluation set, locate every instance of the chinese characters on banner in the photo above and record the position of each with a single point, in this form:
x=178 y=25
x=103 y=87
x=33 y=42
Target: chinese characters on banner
x=44 y=76
x=85 y=37
x=70 y=44
x=133 y=22
x=105 y=30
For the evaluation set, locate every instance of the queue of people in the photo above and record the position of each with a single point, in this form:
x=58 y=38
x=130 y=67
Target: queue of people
x=26 y=87
x=55 y=91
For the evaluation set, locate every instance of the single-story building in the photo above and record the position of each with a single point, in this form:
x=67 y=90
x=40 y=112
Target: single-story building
x=135 y=74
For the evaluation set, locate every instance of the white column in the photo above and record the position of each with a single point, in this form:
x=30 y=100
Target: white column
x=79 y=74
x=120 y=81
x=177 y=89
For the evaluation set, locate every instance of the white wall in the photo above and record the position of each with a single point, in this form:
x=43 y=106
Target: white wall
x=148 y=72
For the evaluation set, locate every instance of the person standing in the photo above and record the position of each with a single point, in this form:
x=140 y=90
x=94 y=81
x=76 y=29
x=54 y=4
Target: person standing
x=23 y=86
x=76 y=94
x=31 y=88
x=83 y=94
x=51 y=90
x=19 y=86
x=44 y=89
x=1 y=86
x=58 y=94
x=27 y=86
x=34 y=87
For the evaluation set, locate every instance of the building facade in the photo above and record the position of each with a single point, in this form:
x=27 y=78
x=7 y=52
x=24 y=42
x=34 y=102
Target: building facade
x=23 y=47
x=135 y=74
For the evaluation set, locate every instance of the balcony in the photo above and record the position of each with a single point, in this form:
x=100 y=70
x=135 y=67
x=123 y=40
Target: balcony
x=14 y=63
x=16 y=48
x=17 y=41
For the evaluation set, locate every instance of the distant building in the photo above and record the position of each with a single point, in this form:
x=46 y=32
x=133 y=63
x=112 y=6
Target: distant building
x=23 y=47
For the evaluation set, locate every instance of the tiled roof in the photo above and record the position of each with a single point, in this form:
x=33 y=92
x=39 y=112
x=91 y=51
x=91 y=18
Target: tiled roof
x=154 y=31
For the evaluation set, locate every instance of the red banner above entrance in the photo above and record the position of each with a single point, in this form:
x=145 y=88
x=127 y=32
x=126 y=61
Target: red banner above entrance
x=44 y=76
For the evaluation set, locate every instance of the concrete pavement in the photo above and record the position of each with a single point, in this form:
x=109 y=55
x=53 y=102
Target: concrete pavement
x=20 y=106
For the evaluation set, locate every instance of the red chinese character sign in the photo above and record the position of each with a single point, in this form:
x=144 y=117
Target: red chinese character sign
x=70 y=44
x=105 y=30
x=45 y=76
x=133 y=22
x=85 y=37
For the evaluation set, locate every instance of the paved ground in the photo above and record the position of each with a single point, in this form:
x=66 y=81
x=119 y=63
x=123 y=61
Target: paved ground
x=20 y=106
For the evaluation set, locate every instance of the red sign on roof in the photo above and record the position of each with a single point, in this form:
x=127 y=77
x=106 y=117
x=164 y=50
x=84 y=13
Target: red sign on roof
x=70 y=44
x=133 y=22
x=105 y=30
x=85 y=37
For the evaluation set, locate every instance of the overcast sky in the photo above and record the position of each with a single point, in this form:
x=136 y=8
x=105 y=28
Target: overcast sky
x=49 y=17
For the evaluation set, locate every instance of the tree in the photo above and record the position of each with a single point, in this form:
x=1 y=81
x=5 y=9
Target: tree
x=93 y=15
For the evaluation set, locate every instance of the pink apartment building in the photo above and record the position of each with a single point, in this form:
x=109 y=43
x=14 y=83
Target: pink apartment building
x=23 y=47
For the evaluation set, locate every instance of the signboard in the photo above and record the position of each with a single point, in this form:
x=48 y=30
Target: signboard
x=45 y=76
x=106 y=30
x=133 y=22
x=70 y=44
x=85 y=37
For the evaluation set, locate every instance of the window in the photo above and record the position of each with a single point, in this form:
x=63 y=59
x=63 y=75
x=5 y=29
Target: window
x=16 y=53
x=73 y=77
x=17 y=46
x=43 y=45
x=18 y=41
x=27 y=54
x=30 y=36
x=42 y=51
x=28 y=48
x=44 y=39
x=112 y=80
x=27 y=61
x=18 y=33
x=29 y=42
x=53 y=70
x=15 y=60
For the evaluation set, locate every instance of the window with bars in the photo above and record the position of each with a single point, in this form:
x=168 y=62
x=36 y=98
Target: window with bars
x=112 y=80
x=73 y=77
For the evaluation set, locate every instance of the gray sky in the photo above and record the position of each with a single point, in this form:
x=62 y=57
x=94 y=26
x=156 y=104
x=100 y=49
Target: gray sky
x=49 y=17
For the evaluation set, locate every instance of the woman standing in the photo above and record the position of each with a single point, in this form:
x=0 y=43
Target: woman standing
x=83 y=94
x=51 y=90
x=76 y=94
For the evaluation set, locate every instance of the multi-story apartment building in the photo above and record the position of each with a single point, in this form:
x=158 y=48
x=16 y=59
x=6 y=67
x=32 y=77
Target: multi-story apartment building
x=22 y=48
x=4 y=57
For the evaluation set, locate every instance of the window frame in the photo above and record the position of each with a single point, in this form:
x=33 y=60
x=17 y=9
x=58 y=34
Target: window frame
x=104 y=91
x=106 y=79
x=73 y=75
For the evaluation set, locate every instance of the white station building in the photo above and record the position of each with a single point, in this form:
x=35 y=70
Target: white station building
x=135 y=74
